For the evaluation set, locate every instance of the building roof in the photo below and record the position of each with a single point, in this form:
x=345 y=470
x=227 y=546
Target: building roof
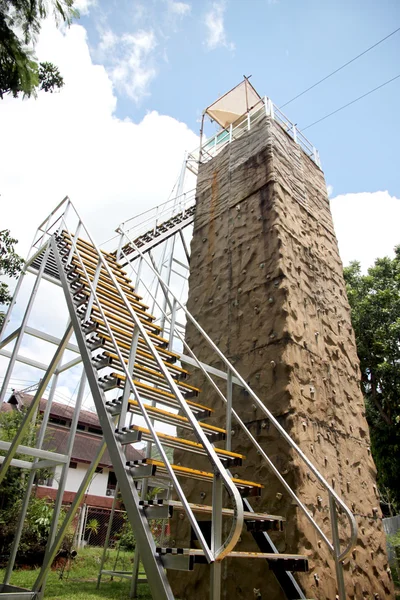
x=56 y=439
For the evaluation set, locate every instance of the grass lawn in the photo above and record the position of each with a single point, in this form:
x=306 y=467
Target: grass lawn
x=79 y=580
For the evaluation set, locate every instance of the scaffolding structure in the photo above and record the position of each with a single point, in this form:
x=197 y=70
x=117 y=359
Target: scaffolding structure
x=135 y=360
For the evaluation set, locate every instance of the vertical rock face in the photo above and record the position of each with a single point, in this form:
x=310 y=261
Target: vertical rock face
x=266 y=284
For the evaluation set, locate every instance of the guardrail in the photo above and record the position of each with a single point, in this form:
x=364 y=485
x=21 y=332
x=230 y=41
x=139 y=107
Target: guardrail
x=213 y=145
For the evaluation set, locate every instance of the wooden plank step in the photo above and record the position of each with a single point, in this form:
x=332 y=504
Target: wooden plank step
x=103 y=340
x=84 y=243
x=97 y=326
x=125 y=328
x=184 y=444
x=113 y=361
x=164 y=416
x=110 y=299
x=91 y=260
x=149 y=391
x=226 y=512
x=241 y=484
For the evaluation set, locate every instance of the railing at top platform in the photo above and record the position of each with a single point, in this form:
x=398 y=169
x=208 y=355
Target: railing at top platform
x=213 y=145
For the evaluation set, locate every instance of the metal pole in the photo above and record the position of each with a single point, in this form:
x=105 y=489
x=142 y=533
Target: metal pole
x=336 y=547
x=108 y=535
x=31 y=480
x=216 y=537
x=172 y=326
x=22 y=327
x=64 y=471
x=228 y=444
x=127 y=387
x=7 y=317
x=35 y=402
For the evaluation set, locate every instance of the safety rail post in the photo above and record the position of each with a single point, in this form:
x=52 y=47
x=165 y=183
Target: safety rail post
x=248 y=122
x=108 y=535
x=75 y=236
x=216 y=537
x=127 y=387
x=91 y=297
x=172 y=325
x=336 y=547
x=294 y=133
x=228 y=444
x=230 y=132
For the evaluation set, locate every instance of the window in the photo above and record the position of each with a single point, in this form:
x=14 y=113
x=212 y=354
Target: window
x=73 y=465
x=95 y=430
x=81 y=427
x=99 y=469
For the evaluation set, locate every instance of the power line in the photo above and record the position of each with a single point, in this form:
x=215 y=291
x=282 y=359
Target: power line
x=350 y=103
x=340 y=68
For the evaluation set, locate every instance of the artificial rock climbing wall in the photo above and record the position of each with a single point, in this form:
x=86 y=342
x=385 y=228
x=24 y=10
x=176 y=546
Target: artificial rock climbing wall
x=266 y=284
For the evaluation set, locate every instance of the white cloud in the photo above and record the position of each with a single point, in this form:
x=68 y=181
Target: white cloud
x=179 y=8
x=329 y=190
x=214 y=21
x=84 y=6
x=75 y=145
x=129 y=61
x=366 y=225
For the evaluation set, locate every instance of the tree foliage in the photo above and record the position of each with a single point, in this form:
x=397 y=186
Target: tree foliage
x=20 y=24
x=375 y=304
x=10 y=265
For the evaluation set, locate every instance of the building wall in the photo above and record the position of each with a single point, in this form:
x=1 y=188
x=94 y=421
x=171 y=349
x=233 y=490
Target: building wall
x=266 y=283
x=98 y=485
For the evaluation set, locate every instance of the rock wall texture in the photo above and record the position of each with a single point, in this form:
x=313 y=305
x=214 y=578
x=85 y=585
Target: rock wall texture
x=266 y=284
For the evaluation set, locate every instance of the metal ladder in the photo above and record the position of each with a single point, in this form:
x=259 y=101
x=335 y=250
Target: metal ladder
x=129 y=364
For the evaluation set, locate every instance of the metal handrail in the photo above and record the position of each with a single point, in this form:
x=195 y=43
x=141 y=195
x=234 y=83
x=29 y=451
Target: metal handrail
x=232 y=538
x=213 y=145
x=333 y=496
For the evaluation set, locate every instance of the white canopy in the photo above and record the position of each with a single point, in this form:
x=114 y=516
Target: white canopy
x=234 y=104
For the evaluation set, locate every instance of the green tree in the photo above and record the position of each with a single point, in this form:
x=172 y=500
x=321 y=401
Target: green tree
x=10 y=266
x=20 y=24
x=375 y=307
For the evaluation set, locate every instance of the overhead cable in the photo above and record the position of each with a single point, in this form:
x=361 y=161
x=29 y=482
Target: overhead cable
x=349 y=103
x=340 y=68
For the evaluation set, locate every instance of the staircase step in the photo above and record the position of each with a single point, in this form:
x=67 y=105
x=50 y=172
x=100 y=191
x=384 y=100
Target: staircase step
x=124 y=328
x=248 y=487
x=164 y=416
x=188 y=445
x=96 y=326
x=109 y=382
x=104 y=280
x=112 y=360
x=153 y=392
x=288 y=562
x=276 y=520
x=103 y=340
x=112 y=308
x=90 y=261
x=108 y=293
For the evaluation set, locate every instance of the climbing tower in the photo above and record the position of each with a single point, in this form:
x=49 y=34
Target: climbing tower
x=266 y=283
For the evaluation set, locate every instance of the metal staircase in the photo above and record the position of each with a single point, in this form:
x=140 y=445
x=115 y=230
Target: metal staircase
x=133 y=370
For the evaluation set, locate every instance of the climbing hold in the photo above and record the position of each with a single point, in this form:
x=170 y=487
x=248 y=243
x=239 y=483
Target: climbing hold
x=278 y=496
x=273 y=364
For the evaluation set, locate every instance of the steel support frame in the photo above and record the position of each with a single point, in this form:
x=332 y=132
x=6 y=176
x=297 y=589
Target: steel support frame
x=23 y=325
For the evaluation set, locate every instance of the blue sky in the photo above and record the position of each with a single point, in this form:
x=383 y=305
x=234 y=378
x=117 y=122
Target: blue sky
x=286 y=45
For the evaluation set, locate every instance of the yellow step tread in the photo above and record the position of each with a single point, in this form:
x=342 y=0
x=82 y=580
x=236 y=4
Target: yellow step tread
x=112 y=297
x=179 y=418
x=188 y=470
x=139 y=352
x=125 y=334
x=68 y=237
x=130 y=326
x=189 y=402
x=92 y=260
x=154 y=373
x=112 y=316
x=190 y=443
x=159 y=392
x=104 y=276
